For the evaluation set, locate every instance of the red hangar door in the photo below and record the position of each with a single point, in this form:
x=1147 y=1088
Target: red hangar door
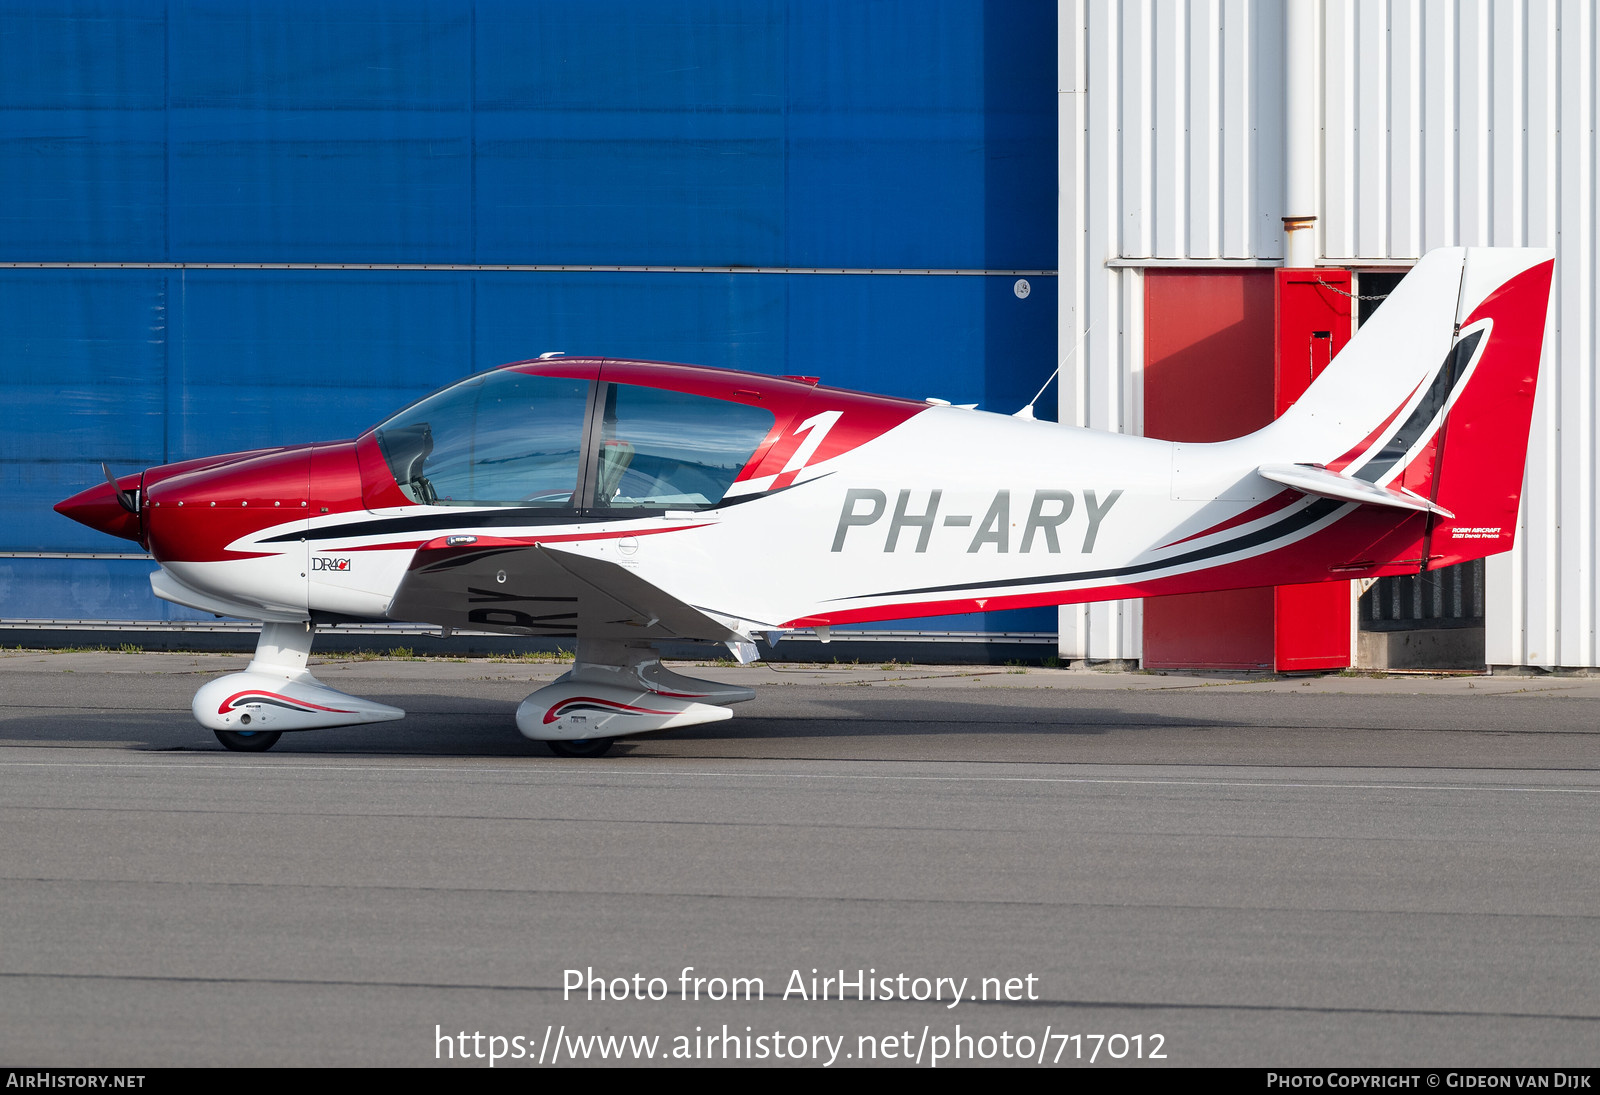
x=1226 y=351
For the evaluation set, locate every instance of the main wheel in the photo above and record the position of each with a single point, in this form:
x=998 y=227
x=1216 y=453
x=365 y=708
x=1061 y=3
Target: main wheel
x=248 y=741
x=587 y=747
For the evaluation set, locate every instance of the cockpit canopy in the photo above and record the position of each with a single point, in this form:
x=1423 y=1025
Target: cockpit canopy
x=514 y=438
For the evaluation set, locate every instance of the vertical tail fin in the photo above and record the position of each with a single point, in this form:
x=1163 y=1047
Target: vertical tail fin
x=1482 y=444
x=1433 y=398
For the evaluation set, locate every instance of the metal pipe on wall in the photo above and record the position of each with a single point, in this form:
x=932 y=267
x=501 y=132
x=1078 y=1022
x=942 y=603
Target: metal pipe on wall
x=1300 y=125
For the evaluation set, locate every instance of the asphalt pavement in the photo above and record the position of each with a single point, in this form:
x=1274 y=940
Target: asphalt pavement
x=1144 y=869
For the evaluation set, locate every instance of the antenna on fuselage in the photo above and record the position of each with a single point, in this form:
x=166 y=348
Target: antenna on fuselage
x=1027 y=412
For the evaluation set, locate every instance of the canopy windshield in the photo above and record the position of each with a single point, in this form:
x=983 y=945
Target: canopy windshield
x=664 y=449
x=510 y=438
x=505 y=438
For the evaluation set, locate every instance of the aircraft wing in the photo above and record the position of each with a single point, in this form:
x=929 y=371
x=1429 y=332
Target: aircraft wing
x=535 y=589
x=1310 y=479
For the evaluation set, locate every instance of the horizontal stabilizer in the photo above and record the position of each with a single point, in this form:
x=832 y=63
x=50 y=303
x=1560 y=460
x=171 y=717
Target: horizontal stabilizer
x=1312 y=479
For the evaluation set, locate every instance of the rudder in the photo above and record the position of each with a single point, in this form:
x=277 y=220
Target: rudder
x=1475 y=466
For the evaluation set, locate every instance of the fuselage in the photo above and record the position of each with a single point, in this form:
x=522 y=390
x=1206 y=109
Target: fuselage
x=838 y=507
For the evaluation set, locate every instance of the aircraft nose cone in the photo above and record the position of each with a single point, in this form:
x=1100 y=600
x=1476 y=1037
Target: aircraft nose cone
x=98 y=508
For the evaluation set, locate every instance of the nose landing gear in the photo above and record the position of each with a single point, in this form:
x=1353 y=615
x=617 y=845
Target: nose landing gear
x=249 y=711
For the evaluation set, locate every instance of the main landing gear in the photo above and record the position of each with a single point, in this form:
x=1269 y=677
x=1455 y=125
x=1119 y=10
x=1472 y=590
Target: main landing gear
x=586 y=747
x=615 y=689
x=248 y=741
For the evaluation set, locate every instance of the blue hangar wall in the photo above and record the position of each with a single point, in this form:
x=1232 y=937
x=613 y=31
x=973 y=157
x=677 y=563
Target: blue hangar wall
x=157 y=160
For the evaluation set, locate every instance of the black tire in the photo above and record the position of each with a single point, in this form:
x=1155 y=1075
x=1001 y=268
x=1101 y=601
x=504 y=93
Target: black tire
x=588 y=747
x=248 y=741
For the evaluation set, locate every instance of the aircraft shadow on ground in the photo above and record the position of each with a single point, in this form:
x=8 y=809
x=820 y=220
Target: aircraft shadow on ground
x=434 y=726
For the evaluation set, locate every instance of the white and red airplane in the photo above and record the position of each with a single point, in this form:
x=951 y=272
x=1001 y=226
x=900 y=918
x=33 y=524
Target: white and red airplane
x=626 y=503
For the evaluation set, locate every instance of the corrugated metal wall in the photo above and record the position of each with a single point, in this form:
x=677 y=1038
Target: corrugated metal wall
x=1442 y=123
x=691 y=141
x=1171 y=151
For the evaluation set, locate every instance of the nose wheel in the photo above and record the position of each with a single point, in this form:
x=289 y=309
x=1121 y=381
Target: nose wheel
x=248 y=741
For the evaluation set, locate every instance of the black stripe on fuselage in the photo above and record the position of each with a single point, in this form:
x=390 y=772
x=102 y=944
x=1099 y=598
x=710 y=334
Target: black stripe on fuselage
x=437 y=522
x=384 y=526
x=741 y=499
